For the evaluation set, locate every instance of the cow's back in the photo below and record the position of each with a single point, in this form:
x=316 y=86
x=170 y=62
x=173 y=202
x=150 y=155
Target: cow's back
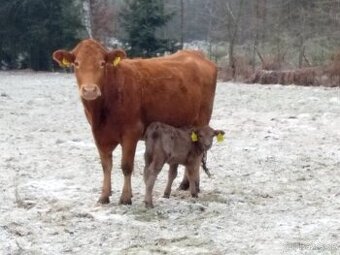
x=205 y=72
x=178 y=89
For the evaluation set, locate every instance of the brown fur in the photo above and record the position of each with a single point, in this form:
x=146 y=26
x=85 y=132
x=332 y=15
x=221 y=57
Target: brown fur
x=121 y=101
x=166 y=144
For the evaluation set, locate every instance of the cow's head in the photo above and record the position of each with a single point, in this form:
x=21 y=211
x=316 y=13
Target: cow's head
x=90 y=61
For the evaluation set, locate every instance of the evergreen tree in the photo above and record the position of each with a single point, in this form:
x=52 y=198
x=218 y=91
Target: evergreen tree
x=141 y=19
x=32 y=29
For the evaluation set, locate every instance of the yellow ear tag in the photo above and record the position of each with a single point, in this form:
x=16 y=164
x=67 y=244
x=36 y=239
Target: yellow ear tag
x=116 y=61
x=65 y=62
x=220 y=137
x=194 y=137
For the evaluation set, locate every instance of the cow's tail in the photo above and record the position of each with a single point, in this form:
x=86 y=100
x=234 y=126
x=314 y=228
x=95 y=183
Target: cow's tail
x=204 y=164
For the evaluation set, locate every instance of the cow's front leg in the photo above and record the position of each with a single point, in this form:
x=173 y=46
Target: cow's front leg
x=106 y=161
x=128 y=155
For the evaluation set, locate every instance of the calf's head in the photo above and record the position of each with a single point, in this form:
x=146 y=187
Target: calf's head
x=90 y=61
x=204 y=136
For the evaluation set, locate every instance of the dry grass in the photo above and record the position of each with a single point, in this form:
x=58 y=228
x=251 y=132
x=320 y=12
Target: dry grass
x=241 y=71
x=331 y=72
x=302 y=76
x=272 y=72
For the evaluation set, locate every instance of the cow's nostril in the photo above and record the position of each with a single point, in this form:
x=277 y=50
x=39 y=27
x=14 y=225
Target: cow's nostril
x=90 y=89
x=90 y=92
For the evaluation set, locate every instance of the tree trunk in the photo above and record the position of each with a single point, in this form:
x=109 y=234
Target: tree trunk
x=301 y=53
x=233 y=26
x=182 y=24
x=256 y=37
x=87 y=17
x=302 y=38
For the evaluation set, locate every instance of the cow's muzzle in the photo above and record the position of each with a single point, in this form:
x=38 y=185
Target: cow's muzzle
x=90 y=92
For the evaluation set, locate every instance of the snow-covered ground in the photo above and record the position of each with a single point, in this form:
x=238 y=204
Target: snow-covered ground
x=275 y=187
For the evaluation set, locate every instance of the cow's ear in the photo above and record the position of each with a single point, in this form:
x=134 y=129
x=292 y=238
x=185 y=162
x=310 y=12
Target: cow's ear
x=219 y=135
x=115 y=56
x=63 y=58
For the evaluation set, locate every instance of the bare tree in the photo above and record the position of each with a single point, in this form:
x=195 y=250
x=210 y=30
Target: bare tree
x=233 y=24
x=182 y=24
x=87 y=17
x=260 y=17
x=99 y=19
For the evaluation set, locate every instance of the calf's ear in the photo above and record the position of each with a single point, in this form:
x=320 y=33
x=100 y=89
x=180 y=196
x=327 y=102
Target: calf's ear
x=115 y=56
x=219 y=135
x=194 y=136
x=63 y=58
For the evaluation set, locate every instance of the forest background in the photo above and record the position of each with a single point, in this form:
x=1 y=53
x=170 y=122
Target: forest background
x=240 y=36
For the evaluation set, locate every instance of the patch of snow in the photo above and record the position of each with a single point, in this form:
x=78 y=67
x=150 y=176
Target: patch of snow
x=274 y=188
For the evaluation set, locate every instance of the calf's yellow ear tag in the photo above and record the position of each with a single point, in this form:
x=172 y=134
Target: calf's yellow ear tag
x=194 y=137
x=65 y=63
x=220 y=137
x=116 y=61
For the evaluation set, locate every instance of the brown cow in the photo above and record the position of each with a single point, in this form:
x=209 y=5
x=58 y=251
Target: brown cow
x=121 y=97
x=166 y=144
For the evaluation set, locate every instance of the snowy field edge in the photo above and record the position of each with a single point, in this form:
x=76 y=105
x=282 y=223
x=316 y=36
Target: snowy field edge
x=274 y=190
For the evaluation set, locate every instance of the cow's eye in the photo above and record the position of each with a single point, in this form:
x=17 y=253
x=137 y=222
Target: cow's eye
x=102 y=64
x=76 y=64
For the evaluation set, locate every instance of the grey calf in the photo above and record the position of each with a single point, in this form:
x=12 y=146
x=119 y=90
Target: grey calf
x=167 y=144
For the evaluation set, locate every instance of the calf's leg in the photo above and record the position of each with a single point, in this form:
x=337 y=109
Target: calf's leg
x=147 y=162
x=185 y=183
x=150 y=175
x=171 y=177
x=192 y=182
x=193 y=176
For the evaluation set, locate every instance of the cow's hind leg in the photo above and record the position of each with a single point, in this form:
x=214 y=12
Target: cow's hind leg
x=106 y=161
x=171 y=177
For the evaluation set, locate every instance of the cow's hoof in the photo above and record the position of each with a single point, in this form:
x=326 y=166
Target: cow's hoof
x=194 y=195
x=103 y=200
x=166 y=195
x=125 y=201
x=183 y=186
